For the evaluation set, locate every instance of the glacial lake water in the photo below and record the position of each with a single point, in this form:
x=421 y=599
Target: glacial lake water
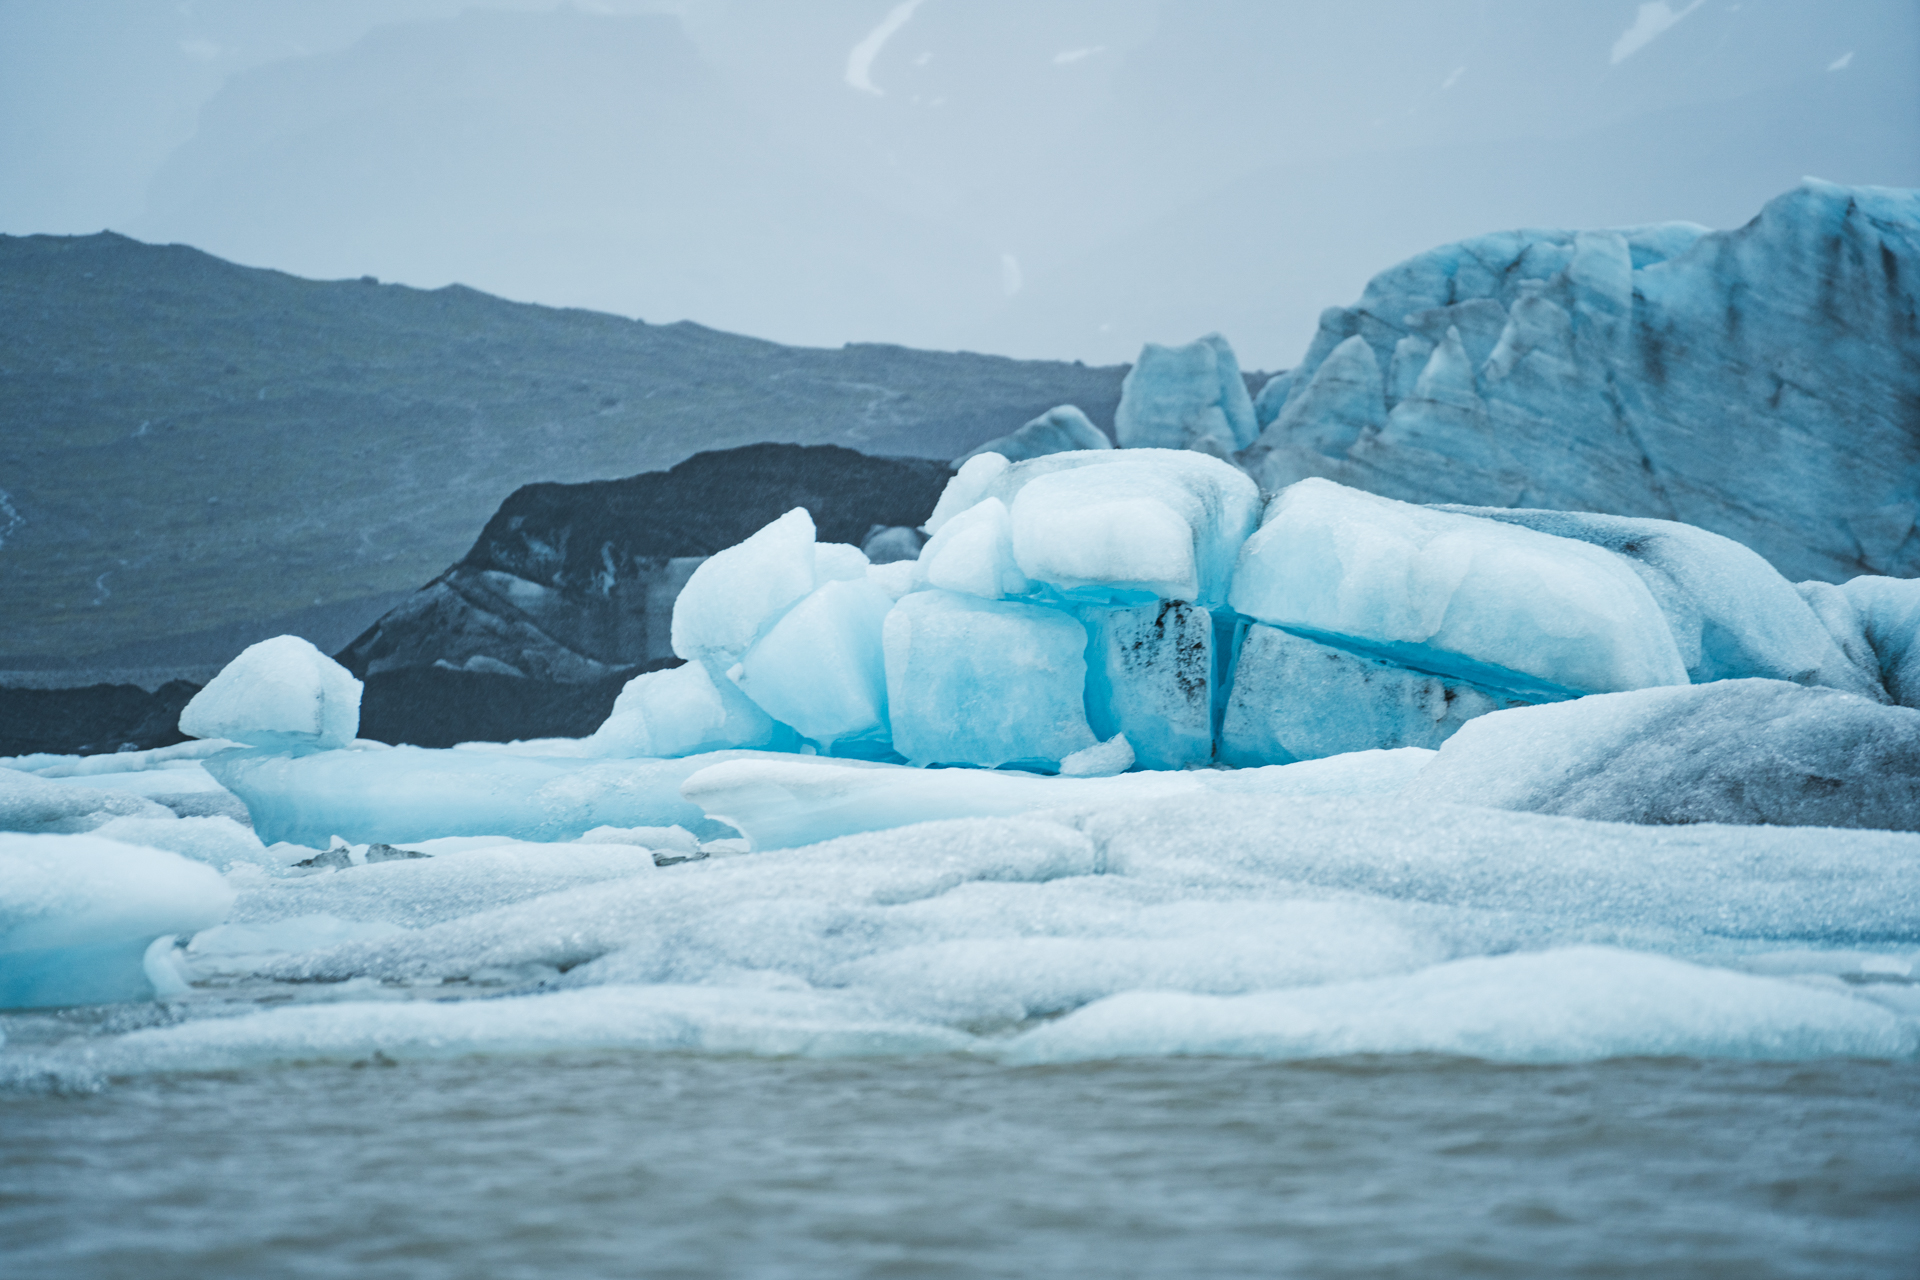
x=648 y=1164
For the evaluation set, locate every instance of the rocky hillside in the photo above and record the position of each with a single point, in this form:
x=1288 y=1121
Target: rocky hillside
x=196 y=454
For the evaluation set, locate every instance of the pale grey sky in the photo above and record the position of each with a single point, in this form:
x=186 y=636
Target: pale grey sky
x=1039 y=179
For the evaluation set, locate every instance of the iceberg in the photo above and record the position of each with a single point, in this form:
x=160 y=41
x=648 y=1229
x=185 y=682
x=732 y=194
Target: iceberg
x=87 y=920
x=1454 y=594
x=1735 y=751
x=1061 y=430
x=281 y=691
x=1568 y=1005
x=1190 y=397
x=398 y=795
x=984 y=682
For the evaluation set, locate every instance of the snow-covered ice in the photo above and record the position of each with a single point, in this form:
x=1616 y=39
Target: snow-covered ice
x=1736 y=751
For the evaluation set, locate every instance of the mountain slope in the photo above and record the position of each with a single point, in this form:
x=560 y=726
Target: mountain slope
x=196 y=447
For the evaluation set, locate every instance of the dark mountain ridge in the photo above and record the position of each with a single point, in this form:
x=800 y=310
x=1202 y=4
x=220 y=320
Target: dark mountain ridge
x=196 y=452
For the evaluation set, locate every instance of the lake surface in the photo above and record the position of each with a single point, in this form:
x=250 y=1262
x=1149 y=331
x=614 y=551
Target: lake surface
x=649 y=1164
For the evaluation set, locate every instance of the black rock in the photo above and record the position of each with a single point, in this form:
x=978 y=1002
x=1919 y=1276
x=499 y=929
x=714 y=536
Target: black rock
x=93 y=719
x=568 y=592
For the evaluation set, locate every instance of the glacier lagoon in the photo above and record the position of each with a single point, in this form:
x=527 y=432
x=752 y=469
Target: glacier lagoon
x=1564 y=809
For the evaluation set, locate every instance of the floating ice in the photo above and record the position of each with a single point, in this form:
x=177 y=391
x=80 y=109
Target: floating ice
x=78 y=915
x=30 y=803
x=280 y=692
x=399 y=795
x=1060 y=430
x=984 y=682
x=1569 y=1005
x=1294 y=699
x=1190 y=397
x=1735 y=751
x=1454 y=594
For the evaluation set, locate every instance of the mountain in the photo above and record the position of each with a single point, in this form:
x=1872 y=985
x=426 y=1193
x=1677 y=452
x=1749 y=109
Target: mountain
x=197 y=454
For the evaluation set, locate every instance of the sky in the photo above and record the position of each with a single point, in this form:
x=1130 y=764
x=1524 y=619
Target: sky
x=1062 y=179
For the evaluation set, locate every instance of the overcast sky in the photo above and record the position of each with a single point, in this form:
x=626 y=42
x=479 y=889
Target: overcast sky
x=1040 y=179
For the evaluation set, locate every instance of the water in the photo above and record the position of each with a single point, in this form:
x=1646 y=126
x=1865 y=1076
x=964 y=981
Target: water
x=633 y=1164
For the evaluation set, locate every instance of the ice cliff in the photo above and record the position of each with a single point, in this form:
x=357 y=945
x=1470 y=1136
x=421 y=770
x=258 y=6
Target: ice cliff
x=1762 y=383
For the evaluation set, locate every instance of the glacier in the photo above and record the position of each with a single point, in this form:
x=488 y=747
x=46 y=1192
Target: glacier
x=1759 y=383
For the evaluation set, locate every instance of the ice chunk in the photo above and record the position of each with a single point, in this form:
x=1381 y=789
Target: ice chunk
x=79 y=913
x=984 y=682
x=402 y=795
x=1576 y=1004
x=1454 y=594
x=968 y=486
x=1295 y=699
x=1735 y=751
x=1101 y=760
x=732 y=595
x=973 y=554
x=1150 y=673
x=30 y=803
x=1730 y=612
x=895 y=577
x=821 y=667
x=678 y=712
x=838 y=562
x=280 y=692
x=1129 y=525
x=1190 y=397
x=1060 y=430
